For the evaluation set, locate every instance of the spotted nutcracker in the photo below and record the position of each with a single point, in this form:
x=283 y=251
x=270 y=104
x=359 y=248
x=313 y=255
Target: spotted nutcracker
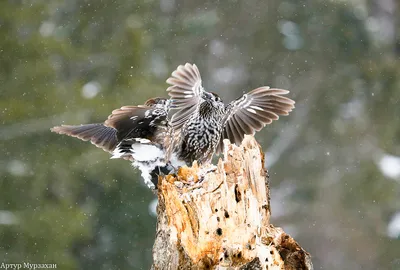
x=203 y=121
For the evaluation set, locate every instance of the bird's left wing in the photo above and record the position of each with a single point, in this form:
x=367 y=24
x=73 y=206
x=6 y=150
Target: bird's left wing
x=252 y=111
x=98 y=134
x=185 y=91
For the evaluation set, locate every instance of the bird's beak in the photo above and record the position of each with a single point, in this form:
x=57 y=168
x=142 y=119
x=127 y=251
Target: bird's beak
x=206 y=95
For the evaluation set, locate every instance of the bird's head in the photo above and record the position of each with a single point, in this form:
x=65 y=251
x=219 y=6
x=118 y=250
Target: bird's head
x=212 y=98
x=211 y=104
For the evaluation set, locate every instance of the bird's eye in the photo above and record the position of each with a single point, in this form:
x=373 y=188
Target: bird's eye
x=215 y=97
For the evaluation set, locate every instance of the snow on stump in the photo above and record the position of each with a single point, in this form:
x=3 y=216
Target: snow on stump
x=218 y=217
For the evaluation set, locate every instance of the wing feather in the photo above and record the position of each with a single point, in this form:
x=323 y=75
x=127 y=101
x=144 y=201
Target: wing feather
x=102 y=136
x=238 y=132
x=244 y=126
x=252 y=111
x=185 y=91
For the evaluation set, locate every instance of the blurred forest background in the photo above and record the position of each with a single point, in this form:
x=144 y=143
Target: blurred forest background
x=334 y=162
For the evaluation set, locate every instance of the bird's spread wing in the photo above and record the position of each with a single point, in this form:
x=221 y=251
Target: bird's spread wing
x=125 y=123
x=102 y=136
x=185 y=91
x=252 y=111
x=135 y=121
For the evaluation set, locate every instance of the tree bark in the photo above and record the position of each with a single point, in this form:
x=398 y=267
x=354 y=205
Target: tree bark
x=218 y=217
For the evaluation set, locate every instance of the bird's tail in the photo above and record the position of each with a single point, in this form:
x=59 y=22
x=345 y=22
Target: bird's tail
x=147 y=156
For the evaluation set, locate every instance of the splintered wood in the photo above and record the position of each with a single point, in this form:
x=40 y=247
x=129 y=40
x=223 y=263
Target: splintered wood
x=218 y=217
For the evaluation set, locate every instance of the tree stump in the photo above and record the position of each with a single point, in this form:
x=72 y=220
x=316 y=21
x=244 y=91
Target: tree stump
x=218 y=217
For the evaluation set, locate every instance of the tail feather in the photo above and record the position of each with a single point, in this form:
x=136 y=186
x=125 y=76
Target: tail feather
x=140 y=149
x=147 y=156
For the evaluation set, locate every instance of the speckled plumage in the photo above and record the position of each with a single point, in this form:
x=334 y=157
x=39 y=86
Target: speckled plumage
x=203 y=121
x=201 y=133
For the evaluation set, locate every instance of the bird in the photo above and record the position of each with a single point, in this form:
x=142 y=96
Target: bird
x=164 y=134
x=201 y=120
x=135 y=133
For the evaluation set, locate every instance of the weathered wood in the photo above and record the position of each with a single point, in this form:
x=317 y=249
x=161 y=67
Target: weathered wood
x=217 y=217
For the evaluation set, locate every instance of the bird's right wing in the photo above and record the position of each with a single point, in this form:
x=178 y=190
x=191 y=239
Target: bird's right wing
x=252 y=111
x=185 y=91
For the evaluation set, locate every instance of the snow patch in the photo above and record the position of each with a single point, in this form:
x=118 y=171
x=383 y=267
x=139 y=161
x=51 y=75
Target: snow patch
x=393 y=228
x=390 y=166
x=7 y=218
x=91 y=89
